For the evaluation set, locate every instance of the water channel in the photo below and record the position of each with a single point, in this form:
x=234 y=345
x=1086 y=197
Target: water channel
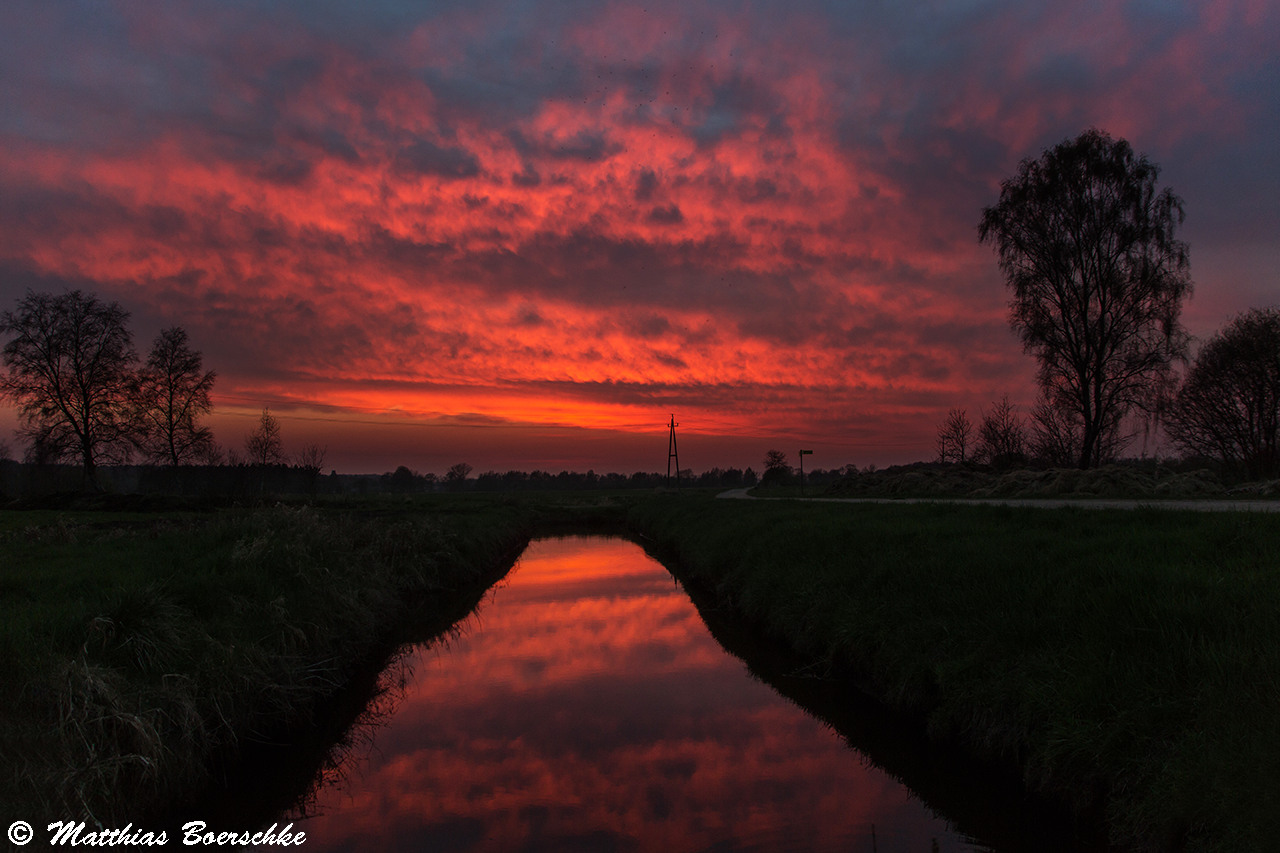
x=586 y=706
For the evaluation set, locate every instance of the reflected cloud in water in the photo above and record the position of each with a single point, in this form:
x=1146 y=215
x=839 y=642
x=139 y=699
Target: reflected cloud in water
x=586 y=706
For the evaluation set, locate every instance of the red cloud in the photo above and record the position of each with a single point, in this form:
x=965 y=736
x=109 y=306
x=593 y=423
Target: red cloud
x=458 y=216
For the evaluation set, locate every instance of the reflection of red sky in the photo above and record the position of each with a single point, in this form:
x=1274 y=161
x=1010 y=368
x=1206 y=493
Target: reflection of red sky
x=472 y=738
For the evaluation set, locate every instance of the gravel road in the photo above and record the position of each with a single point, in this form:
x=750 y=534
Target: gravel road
x=1199 y=505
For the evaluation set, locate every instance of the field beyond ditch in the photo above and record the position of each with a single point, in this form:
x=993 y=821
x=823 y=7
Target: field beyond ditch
x=1125 y=661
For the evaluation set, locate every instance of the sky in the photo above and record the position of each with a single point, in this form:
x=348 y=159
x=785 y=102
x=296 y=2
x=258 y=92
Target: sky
x=525 y=234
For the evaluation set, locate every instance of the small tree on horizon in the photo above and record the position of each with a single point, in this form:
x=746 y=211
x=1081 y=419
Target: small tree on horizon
x=776 y=470
x=775 y=459
x=172 y=393
x=955 y=437
x=456 y=477
x=1002 y=437
x=311 y=458
x=1055 y=435
x=264 y=445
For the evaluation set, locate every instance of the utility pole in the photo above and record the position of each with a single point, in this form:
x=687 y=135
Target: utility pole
x=672 y=454
x=803 y=454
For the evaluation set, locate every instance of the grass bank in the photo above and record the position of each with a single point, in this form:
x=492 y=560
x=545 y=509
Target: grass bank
x=1137 y=480
x=1123 y=661
x=139 y=649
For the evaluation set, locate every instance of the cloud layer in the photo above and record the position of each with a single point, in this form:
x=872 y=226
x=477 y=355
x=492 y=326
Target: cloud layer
x=763 y=218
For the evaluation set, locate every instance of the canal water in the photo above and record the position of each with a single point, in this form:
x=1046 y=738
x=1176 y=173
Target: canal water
x=585 y=706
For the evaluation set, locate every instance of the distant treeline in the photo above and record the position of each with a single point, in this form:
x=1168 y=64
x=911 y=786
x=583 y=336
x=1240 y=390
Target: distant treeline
x=25 y=479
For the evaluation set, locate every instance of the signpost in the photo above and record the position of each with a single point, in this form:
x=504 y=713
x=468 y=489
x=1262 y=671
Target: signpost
x=672 y=454
x=803 y=453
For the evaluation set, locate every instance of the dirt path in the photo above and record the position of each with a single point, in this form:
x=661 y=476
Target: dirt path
x=1201 y=505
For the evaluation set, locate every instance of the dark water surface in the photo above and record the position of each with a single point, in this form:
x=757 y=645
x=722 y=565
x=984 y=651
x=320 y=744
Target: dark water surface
x=585 y=706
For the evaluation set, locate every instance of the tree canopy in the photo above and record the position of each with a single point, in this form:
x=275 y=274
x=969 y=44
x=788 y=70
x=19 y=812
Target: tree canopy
x=1002 y=436
x=173 y=392
x=71 y=374
x=1228 y=406
x=955 y=437
x=1087 y=244
x=264 y=445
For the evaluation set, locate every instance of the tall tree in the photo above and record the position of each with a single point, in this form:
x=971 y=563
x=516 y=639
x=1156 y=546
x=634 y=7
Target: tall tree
x=71 y=372
x=1229 y=405
x=173 y=393
x=1086 y=242
x=264 y=444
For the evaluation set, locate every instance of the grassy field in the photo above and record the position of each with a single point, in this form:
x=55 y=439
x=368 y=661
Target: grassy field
x=138 y=647
x=1124 y=660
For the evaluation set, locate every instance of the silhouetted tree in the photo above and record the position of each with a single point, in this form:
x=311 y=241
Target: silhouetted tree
x=402 y=479
x=172 y=394
x=310 y=459
x=776 y=470
x=955 y=437
x=71 y=374
x=264 y=445
x=1002 y=437
x=1086 y=242
x=1055 y=435
x=1229 y=404
x=456 y=476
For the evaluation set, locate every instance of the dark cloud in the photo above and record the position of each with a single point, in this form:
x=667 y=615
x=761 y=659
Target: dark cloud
x=587 y=145
x=666 y=215
x=426 y=158
x=646 y=185
x=650 y=326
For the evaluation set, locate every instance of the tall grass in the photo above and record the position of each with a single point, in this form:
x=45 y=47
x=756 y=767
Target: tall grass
x=141 y=649
x=1129 y=660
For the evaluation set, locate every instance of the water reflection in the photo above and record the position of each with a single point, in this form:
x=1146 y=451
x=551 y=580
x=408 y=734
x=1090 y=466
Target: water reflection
x=586 y=707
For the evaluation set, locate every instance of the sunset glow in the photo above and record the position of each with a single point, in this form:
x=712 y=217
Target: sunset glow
x=546 y=223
